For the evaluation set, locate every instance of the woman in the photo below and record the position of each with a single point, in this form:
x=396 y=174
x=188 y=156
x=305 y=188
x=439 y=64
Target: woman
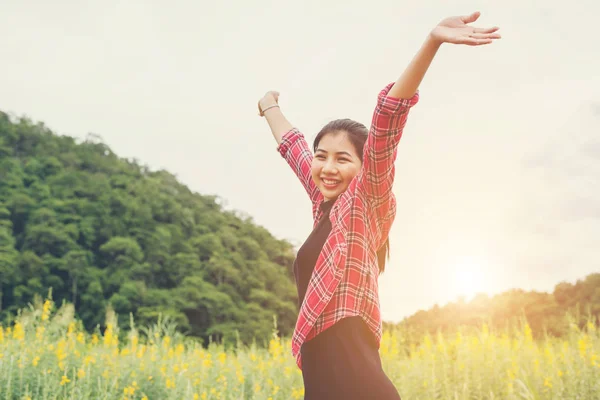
x=349 y=181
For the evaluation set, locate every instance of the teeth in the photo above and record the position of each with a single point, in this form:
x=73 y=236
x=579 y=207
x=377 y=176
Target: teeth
x=330 y=182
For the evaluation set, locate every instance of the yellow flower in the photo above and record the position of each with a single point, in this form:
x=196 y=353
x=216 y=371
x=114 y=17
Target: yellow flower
x=64 y=380
x=384 y=348
x=129 y=390
x=582 y=345
x=18 y=332
x=510 y=386
x=46 y=310
x=71 y=328
x=81 y=373
x=528 y=333
x=591 y=327
x=39 y=332
x=35 y=361
x=141 y=351
x=240 y=375
x=298 y=393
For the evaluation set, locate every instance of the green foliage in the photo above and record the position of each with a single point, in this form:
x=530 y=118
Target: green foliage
x=101 y=230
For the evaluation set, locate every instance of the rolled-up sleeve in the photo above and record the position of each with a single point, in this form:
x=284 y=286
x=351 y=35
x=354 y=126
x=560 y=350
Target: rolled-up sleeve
x=379 y=155
x=294 y=149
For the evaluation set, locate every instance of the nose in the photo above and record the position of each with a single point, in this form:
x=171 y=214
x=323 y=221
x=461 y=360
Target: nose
x=329 y=168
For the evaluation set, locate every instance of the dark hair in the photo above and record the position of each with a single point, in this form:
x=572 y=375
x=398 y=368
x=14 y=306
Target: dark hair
x=357 y=133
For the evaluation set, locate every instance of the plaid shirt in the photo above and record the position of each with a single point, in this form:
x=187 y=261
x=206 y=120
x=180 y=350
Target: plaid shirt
x=344 y=280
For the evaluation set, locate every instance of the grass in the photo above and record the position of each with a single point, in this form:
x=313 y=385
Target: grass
x=45 y=354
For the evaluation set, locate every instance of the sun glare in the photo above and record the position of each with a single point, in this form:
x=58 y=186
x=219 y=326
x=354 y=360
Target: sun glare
x=469 y=278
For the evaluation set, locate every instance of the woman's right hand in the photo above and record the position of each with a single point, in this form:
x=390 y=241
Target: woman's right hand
x=269 y=99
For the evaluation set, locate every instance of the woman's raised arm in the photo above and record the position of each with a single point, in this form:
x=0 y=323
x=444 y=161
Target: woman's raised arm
x=291 y=143
x=395 y=101
x=450 y=30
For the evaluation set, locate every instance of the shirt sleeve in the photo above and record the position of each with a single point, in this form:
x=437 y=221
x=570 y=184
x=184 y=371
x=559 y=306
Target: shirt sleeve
x=294 y=149
x=379 y=154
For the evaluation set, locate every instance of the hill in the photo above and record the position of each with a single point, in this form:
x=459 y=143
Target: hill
x=100 y=230
x=545 y=312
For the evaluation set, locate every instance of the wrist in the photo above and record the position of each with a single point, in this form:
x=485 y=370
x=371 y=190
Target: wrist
x=269 y=108
x=433 y=40
x=267 y=104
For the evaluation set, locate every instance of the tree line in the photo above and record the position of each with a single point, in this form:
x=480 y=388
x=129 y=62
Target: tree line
x=546 y=313
x=102 y=230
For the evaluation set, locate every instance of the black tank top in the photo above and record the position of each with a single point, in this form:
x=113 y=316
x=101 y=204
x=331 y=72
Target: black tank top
x=309 y=252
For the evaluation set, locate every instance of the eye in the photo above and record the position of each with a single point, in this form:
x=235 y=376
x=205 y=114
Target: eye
x=344 y=160
x=320 y=157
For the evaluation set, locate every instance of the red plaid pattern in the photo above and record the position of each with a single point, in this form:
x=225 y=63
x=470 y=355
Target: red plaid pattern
x=344 y=281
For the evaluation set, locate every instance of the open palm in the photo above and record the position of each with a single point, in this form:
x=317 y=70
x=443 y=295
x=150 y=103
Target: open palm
x=456 y=30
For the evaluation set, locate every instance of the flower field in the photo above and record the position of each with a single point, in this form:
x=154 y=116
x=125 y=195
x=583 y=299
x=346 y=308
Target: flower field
x=45 y=354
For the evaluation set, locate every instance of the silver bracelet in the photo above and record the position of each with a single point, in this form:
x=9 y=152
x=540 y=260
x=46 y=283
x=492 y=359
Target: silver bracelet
x=275 y=105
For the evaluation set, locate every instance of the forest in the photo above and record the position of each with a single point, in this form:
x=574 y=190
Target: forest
x=101 y=230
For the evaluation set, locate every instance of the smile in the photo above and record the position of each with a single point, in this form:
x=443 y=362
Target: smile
x=330 y=182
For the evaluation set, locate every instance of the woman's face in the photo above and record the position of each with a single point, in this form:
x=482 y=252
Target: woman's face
x=335 y=164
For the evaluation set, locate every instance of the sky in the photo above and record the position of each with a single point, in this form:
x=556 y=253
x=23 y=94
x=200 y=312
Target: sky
x=498 y=171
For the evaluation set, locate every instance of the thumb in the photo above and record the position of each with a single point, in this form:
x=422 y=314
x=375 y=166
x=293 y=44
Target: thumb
x=467 y=19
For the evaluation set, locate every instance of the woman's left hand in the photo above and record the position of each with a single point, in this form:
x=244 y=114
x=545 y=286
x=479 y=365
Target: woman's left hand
x=455 y=30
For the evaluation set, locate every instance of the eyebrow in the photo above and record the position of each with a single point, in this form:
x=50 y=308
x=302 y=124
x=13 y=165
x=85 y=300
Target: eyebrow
x=339 y=152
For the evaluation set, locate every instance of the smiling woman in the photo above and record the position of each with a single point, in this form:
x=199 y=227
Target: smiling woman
x=349 y=181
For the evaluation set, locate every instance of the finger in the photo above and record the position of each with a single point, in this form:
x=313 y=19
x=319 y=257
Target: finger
x=486 y=30
x=474 y=42
x=467 y=19
x=485 y=35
